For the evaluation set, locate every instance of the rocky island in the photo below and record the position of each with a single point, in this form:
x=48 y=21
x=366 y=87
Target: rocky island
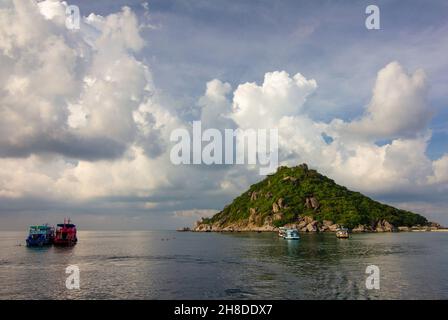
x=304 y=199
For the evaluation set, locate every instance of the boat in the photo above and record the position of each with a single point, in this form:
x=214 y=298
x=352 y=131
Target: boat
x=65 y=234
x=282 y=232
x=342 y=233
x=40 y=235
x=291 y=234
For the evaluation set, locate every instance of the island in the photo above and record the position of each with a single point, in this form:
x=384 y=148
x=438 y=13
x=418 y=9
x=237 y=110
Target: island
x=302 y=198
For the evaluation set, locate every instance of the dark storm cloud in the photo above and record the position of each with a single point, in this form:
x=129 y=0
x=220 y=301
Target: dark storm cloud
x=71 y=146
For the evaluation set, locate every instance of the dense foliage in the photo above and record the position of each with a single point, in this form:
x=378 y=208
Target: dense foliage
x=336 y=203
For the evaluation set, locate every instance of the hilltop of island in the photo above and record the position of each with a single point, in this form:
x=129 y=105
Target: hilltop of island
x=302 y=198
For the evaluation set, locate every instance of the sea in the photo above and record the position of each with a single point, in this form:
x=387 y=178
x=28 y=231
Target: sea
x=190 y=265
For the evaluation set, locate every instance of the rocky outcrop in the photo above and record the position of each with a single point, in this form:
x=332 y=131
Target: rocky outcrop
x=311 y=203
x=280 y=203
x=256 y=222
x=308 y=224
x=359 y=228
x=289 y=178
x=384 y=226
x=435 y=225
x=312 y=227
x=278 y=216
x=253 y=196
x=253 y=215
x=202 y=227
x=432 y=226
x=277 y=205
x=304 y=224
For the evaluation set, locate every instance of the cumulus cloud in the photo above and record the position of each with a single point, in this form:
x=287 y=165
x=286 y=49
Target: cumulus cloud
x=64 y=92
x=397 y=113
x=398 y=108
x=263 y=106
x=440 y=169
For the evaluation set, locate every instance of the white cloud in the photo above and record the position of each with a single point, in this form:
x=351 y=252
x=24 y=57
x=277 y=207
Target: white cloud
x=68 y=91
x=398 y=113
x=398 y=107
x=263 y=106
x=440 y=168
x=215 y=106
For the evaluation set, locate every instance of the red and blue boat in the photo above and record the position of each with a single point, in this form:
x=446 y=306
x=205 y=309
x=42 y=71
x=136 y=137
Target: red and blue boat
x=40 y=235
x=65 y=234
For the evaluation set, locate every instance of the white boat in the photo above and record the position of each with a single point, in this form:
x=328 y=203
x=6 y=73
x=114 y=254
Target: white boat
x=342 y=233
x=282 y=232
x=291 y=234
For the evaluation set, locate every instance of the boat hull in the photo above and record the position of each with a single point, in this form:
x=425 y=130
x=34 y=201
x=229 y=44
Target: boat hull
x=290 y=234
x=64 y=243
x=65 y=234
x=39 y=236
x=37 y=243
x=342 y=235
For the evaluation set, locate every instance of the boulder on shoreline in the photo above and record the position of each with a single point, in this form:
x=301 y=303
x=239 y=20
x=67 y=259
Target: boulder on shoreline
x=303 y=224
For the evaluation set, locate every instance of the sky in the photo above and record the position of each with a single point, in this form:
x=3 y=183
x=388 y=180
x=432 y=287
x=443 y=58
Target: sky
x=86 y=115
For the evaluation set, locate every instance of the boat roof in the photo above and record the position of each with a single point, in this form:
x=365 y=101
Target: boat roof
x=68 y=225
x=40 y=227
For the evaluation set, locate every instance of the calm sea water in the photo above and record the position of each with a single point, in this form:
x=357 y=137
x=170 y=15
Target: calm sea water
x=184 y=265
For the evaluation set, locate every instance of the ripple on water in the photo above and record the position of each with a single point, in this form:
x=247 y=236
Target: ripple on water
x=229 y=266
